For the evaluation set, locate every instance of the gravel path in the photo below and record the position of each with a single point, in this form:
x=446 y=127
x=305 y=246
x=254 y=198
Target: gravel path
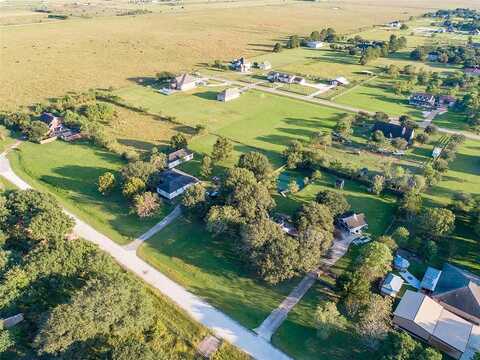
x=220 y=324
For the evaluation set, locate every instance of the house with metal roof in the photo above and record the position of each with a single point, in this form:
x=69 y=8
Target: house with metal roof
x=174 y=182
x=427 y=320
x=400 y=263
x=430 y=280
x=391 y=285
x=184 y=82
x=312 y=44
x=459 y=291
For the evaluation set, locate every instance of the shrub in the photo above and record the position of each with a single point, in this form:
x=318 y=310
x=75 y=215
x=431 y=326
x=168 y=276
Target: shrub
x=146 y=204
x=106 y=183
x=132 y=187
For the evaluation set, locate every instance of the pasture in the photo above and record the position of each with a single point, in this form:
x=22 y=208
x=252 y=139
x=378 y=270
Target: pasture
x=70 y=171
x=104 y=51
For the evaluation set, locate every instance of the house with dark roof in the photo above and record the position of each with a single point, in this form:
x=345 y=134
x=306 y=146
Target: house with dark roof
x=53 y=122
x=174 y=182
x=392 y=131
x=275 y=76
x=179 y=156
x=422 y=100
x=353 y=223
x=459 y=291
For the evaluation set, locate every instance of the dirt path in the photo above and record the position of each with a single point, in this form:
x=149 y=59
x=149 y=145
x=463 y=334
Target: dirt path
x=220 y=324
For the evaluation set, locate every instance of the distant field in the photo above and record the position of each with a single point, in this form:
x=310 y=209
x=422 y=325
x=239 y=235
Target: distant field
x=46 y=60
x=70 y=172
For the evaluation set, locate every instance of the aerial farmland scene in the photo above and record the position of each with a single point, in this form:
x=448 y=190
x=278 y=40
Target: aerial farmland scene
x=240 y=179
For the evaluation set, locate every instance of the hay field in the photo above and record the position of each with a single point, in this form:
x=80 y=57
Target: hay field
x=49 y=59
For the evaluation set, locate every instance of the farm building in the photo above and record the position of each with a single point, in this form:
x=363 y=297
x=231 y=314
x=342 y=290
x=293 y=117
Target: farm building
x=446 y=100
x=395 y=24
x=353 y=223
x=391 y=285
x=312 y=44
x=339 y=81
x=177 y=157
x=430 y=280
x=422 y=100
x=429 y=321
x=184 y=82
x=241 y=65
x=228 y=94
x=275 y=76
x=432 y=56
x=173 y=182
x=459 y=291
x=392 y=131
x=53 y=122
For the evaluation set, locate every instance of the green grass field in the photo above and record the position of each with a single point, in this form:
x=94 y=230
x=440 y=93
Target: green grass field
x=256 y=120
x=378 y=95
x=70 y=172
x=187 y=254
x=454 y=120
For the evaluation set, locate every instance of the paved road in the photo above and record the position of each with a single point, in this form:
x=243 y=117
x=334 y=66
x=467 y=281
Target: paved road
x=222 y=325
x=134 y=245
x=271 y=324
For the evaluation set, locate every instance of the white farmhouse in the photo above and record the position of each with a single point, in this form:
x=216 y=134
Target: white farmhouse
x=174 y=182
x=177 y=157
x=228 y=94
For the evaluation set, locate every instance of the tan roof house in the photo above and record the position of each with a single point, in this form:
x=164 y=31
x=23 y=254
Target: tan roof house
x=354 y=223
x=184 y=82
x=228 y=94
x=429 y=321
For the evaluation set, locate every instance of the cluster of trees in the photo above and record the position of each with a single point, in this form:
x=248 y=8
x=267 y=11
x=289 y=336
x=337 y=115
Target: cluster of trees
x=139 y=179
x=470 y=104
x=467 y=208
x=328 y=35
x=472 y=16
x=466 y=55
x=242 y=213
x=77 y=303
x=381 y=49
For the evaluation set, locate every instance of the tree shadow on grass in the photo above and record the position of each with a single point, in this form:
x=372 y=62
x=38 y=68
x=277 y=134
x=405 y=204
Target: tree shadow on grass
x=137 y=144
x=467 y=164
x=207 y=95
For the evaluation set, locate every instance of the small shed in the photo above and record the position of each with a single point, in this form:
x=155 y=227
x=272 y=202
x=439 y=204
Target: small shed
x=339 y=81
x=264 y=65
x=436 y=152
x=392 y=285
x=400 y=263
x=430 y=279
x=228 y=94
x=312 y=44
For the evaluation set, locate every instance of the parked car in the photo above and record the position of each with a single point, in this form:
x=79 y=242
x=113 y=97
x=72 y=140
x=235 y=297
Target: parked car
x=361 y=240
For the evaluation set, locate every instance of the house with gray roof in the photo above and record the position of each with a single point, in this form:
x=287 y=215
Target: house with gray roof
x=430 y=280
x=174 y=182
x=459 y=291
x=179 y=156
x=184 y=82
x=392 y=285
x=228 y=94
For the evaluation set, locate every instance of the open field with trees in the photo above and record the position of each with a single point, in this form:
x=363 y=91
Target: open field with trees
x=115 y=50
x=70 y=172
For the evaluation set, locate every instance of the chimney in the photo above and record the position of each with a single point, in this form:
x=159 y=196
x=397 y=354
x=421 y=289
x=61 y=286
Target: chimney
x=403 y=130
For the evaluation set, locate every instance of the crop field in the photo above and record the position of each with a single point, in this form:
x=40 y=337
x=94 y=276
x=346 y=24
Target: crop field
x=103 y=51
x=70 y=172
x=254 y=121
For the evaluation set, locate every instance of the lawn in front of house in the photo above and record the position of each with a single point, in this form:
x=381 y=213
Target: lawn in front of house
x=70 y=171
x=455 y=120
x=186 y=253
x=378 y=95
x=379 y=210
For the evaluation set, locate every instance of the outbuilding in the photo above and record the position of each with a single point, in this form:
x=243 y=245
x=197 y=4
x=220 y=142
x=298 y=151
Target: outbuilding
x=179 y=156
x=392 y=285
x=228 y=94
x=312 y=44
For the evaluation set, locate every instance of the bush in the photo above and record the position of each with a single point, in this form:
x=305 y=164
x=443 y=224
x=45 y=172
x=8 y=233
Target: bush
x=422 y=138
x=132 y=187
x=106 y=183
x=37 y=131
x=146 y=204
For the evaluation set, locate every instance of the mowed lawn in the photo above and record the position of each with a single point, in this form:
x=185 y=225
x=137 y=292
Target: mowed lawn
x=378 y=95
x=256 y=120
x=379 y=210
x=186 y=253
x=70 y=171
